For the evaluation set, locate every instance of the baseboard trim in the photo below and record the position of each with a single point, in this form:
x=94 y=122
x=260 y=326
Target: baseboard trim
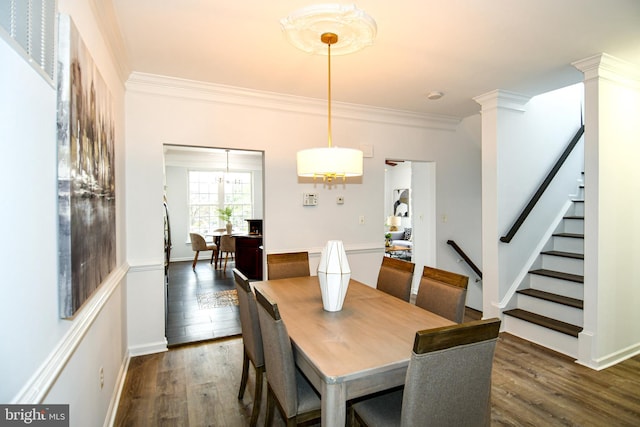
x=112 y=411
x=150 y=348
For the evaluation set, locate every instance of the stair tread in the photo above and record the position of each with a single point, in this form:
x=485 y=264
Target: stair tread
x=575 y=235
x=547 y=322
x=574 y=217
x=548 y=296
x=564 y=254
x=558 y=275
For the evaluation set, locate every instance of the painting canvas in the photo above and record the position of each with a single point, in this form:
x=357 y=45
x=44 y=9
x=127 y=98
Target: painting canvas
x=86 y=176
x=401 y=202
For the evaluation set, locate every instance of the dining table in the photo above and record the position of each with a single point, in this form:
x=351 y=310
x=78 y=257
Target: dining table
x=362 y=349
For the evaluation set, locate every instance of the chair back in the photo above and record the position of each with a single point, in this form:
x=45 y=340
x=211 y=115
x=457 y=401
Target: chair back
x=197 y=242
x=448 y=381
x=443 y=293
x=395 y=277
x=249 y=321
x=278 y=355
x=284 y=265
x=227 y=243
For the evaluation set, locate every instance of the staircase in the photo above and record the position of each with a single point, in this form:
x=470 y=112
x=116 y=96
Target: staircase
x=549 y=302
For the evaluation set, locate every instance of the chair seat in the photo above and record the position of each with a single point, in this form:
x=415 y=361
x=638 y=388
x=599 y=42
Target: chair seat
x=308 y=399
x=381 y=411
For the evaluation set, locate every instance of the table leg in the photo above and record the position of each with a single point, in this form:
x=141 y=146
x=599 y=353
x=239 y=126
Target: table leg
x=334 y=405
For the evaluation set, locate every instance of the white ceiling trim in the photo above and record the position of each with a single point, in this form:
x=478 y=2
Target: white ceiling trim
x=202 y=91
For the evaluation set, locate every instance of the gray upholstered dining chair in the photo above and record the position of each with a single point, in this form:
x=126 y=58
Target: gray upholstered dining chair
x=287 y=387
x=284 y=265
x=199 y=244
x=251 y=341
x=227 y=246
x=395 y=277
x=448 y=381
x=443 y=293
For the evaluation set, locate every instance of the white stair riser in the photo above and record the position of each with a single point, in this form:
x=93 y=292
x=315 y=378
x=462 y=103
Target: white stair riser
x=568 y=244
x=561 y=312
x=577 y=209
x=556 y=286
x=563 y=264
x=557 y=341
x=571 y=225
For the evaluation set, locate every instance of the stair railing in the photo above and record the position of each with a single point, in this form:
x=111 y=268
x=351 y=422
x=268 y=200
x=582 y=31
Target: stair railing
x=538 y=194
x=464 y=256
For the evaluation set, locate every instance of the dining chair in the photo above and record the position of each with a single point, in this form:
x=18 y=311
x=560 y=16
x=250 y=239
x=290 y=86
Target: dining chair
x=443 y=293
x=395 y=277
x=287 y=387
x=199 y=244
x=227 y=246
x=251 y=341
x=448 y=381
x=284 y=265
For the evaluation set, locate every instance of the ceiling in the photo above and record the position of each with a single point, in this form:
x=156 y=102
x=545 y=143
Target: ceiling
x=463 y=48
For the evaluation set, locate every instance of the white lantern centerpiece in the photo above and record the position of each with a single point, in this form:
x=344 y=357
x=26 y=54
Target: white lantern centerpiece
x=334 y=274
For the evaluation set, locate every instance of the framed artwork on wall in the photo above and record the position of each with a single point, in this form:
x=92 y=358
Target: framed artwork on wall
x=401 y=202
x=86 y=176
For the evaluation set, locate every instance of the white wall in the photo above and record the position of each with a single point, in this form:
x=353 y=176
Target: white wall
x=47 y=359
x=162 y=110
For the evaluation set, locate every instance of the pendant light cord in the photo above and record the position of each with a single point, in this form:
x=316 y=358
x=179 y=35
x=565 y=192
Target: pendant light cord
x=329 y=93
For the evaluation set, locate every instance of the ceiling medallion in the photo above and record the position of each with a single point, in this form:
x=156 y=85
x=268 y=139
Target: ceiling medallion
x=304 y=27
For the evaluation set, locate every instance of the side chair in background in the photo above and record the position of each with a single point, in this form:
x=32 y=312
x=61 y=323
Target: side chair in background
x=395 y=277
x=285 y=265
x=443 y=293
x=199 y=244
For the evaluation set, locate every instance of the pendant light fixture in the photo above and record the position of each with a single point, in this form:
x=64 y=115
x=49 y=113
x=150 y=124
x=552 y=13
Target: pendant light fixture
x=302 y=27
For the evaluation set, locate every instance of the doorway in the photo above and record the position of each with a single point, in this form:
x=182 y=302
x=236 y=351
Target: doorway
x=418 y=217
x=198 y=181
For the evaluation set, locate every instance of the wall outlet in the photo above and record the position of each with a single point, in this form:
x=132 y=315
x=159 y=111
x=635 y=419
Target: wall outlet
x=101 y=375
x=340 y=200
x=361 y=219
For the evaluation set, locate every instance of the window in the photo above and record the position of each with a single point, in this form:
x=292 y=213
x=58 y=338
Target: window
x=210 y=191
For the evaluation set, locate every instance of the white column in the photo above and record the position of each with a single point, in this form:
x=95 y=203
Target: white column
x=612 y=210
x=497 y=107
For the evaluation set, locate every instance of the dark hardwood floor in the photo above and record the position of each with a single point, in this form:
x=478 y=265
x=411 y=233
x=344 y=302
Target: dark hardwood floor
x=187 y=320
x=197 y=385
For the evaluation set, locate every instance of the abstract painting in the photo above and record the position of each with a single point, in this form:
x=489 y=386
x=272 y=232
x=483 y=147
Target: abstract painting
x=86 y=176
x=401 y=202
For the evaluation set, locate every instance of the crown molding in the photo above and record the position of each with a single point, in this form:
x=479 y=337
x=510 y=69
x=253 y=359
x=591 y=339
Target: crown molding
x=108 y=25
x=216 y=93
x=502 y=99
x=610 y=68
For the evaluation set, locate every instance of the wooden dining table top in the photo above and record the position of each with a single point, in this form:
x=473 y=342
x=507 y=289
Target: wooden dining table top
x=374 y=331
